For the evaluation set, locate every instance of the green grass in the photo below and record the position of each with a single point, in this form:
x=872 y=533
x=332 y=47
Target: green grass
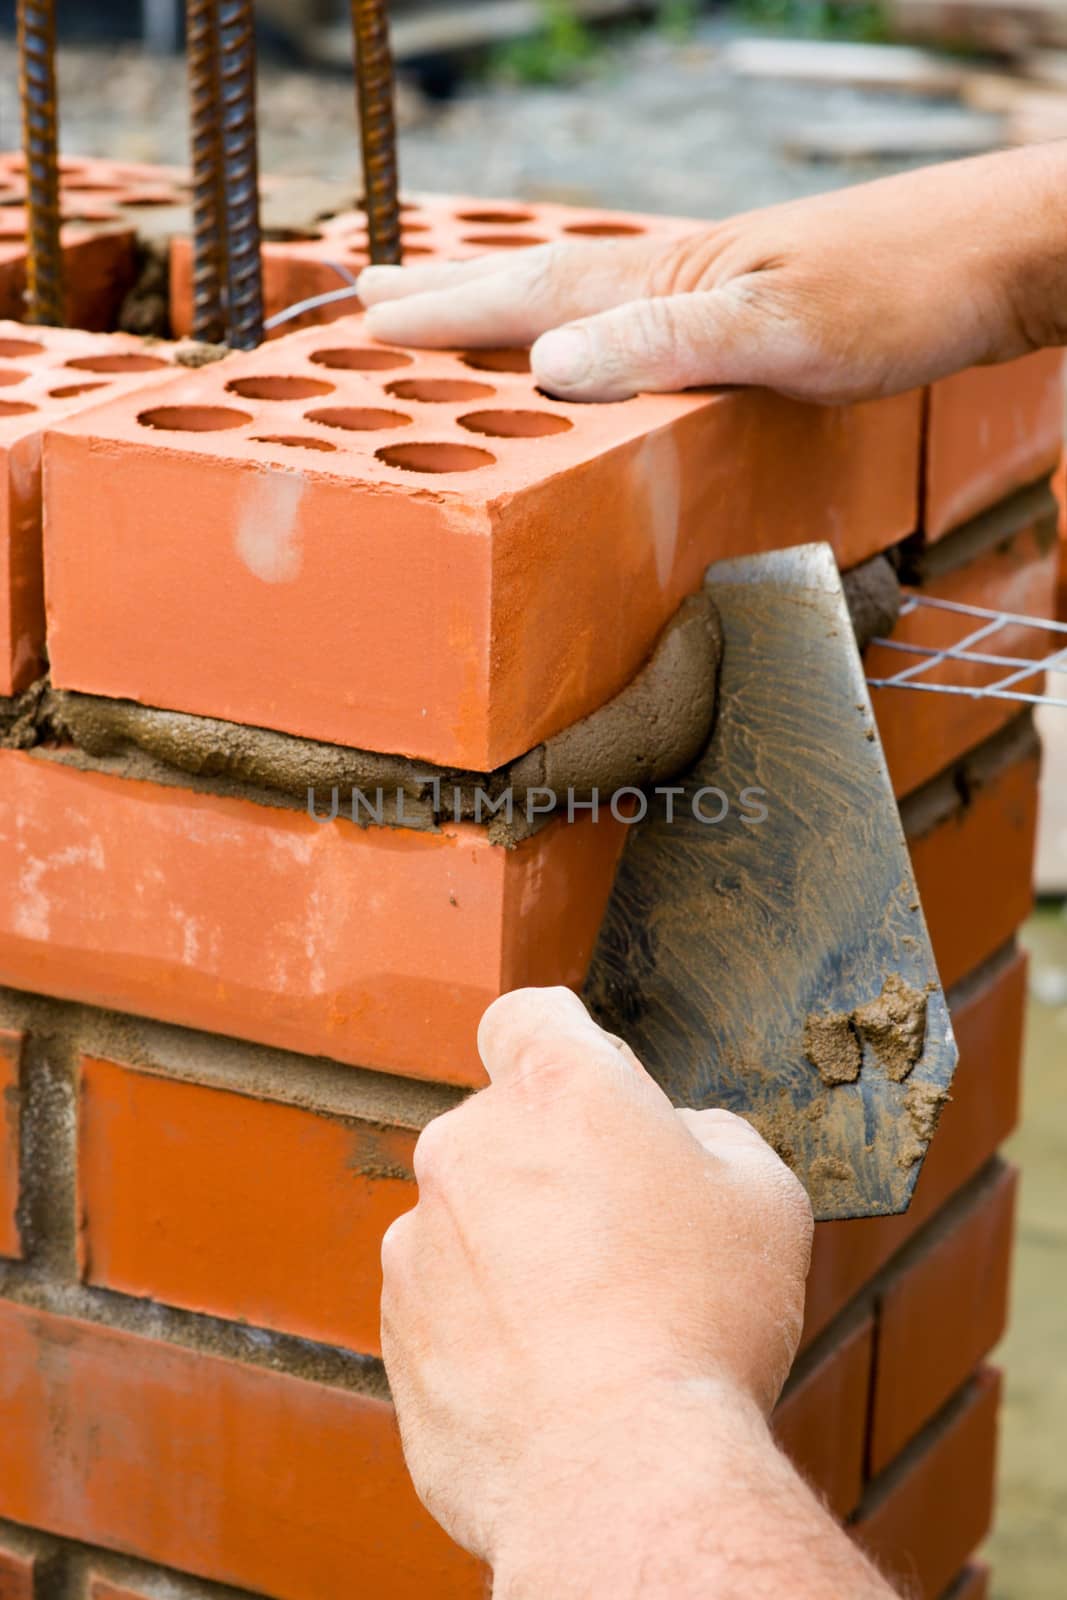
x=817 y=19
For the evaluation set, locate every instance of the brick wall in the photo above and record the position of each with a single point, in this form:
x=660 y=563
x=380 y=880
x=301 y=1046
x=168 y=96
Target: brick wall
x=223 y=1024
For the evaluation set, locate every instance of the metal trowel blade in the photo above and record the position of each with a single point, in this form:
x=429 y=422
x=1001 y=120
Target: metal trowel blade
x=781 y=967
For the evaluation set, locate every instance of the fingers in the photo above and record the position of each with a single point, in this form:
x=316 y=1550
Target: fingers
x=543 y=1033
x=504 y=300
x=658 y=345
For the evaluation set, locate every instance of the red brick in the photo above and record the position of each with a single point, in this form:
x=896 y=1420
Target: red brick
x=990 y=430
x=923 y=733
x=104 y=205
x=440 y=606
x=935 y=1505
x=378 y=946
x=283 y=1225
x=104 y=1577
x=940 y=1312
x=232 y=1472
x=16 y=1572
x=46 y=375
x=100 y=268
x=987 y=1016
x=974 y=866
x=821 y=1420
x=10 y=1055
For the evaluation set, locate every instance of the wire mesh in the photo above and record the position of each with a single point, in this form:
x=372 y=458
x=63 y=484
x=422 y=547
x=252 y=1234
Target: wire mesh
x=992 y=674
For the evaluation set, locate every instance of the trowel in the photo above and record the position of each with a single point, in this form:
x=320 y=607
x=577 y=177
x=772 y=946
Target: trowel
x=764 y=948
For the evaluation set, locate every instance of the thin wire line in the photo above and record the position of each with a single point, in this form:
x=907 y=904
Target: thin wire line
x=961 y=651
x=316 y=300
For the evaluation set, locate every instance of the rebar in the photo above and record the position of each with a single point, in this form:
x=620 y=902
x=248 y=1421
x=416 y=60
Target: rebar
x=377 y=123
x=240 y=173
x=209 y=255
x=37 y=89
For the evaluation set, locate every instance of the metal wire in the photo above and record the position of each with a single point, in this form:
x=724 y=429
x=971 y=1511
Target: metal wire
x=37 y=89
x=313 y=302
x=209 y=253
x=963 y=652
x=377 y=122
x=240 y=173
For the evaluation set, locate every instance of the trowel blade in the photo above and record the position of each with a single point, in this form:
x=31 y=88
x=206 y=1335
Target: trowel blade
x=738 y=956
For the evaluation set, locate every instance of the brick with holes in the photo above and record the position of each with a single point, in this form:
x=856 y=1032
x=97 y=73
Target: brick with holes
x=99 y=243
x=419 y=552
x=46 y=376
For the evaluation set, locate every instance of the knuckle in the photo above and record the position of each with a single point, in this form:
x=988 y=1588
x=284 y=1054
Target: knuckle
x=396 y=1244
x=434 y=1157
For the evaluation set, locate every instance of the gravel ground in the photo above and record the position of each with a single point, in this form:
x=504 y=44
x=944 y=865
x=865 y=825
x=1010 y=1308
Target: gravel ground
x=655 y=125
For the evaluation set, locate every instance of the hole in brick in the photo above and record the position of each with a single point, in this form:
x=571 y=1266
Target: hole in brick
x=410 y=250
x=495 y=219
x=296 y=441
x=10 y=375
x=14 y=349
x=438 y=391
x=603 y=230
x=144 y=200
x=434 y=457
x=353 y=359
x=193 y=419
x=15 y=408
x=502 y=241
x=358 y=419
x=78 y=185
x=515 y=424
x=279 y=388
x=12 y=235
x=497 y=360
x=130 y=361
x=414 y=227
x=71 y=389
x=291 y=235
x=403 y=205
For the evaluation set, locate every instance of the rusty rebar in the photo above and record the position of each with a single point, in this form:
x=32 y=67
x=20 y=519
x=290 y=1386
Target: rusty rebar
x=209 y=254
x=37 y=89
x=240 y=173
x=377 y=124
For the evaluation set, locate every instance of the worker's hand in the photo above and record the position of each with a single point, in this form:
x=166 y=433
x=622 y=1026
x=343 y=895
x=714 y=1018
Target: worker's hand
x=851 y=295
x=585 y=1268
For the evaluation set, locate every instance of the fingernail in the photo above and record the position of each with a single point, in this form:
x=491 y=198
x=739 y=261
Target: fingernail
x=563 y=358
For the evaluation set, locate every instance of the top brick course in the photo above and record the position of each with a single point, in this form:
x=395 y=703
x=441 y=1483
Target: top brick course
x=418 y=551
x=46 y=375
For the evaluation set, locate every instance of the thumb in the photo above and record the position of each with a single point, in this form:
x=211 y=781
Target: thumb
x=662 y=343
x=532 y=1033
x=720 y=1132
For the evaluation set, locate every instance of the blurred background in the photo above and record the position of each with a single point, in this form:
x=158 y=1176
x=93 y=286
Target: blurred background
x=702 y=110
